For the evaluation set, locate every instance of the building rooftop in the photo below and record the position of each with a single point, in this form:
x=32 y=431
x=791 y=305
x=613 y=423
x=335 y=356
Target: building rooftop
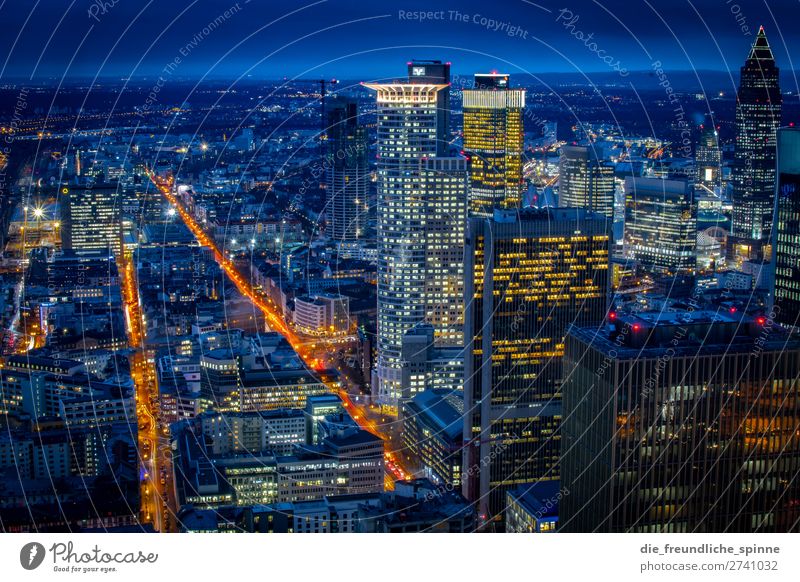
x=649 y=335
x=435 y=405
x=540 y=498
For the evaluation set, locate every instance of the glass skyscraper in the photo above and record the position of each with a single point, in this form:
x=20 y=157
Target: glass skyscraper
x=661 y=224
x=493 y=141
x=347 y=171
x=529 y=276
x=585 y=181
x=758 y=115
x=708 y=159
x=787 y=229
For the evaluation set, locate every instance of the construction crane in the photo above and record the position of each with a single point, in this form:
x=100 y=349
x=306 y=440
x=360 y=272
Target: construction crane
x=323 y=91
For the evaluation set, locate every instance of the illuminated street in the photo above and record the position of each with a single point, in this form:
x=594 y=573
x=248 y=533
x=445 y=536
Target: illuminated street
x=315 y=359
x=156 y=496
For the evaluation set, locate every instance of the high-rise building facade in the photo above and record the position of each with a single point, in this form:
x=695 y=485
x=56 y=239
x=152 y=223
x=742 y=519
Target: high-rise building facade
x=432 y=72
x=708 y=158
x=661 y=224
x=425 y=366
x=92 y=218
x=443 y=182
x=433 y=429
x=422 y=198
x=347 y=171
x=758 y=115
x=585 y=181
x=528 y=277
x=787 y=229
x=681 y=422
x=493 y=142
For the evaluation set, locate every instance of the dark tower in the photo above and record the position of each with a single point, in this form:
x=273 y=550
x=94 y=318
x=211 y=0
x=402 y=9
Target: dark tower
x=758 y=115
x=347 y=171
x=787 y=229
x=531 y=274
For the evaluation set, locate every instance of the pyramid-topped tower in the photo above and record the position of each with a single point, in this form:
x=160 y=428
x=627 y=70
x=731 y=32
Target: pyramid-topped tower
x=760 y=50
x=758 y=115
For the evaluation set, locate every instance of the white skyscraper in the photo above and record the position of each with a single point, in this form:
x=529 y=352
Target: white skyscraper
x=422 y=208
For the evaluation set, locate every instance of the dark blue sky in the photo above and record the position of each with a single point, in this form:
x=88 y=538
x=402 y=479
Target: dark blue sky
x=372 y=39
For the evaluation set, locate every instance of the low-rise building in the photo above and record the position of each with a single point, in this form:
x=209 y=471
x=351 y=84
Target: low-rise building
x=533 y=508
x=214 y=469
x=433 y=436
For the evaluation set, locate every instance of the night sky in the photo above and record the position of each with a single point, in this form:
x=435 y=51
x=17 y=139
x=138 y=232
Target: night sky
x=372 y=39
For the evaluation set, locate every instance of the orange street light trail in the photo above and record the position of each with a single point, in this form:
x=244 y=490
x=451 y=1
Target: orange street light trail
x=313 y=359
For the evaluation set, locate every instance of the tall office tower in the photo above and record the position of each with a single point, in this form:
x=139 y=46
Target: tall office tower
x=493 y=141
x=787 y=229
x=708 y=158
x=92 y=218
x=661 y=224
x=422 y=72
x=681 y=422
x=444 y=187
x=347 y=171
x=758 y=115
x=585 y=181
x=528 y=277
x=422 y=198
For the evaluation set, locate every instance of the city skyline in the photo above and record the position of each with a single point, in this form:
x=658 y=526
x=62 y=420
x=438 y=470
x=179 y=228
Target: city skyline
x=458 y=300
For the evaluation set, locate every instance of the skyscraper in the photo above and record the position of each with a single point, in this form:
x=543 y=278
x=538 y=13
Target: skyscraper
x=585 y=181
x=661 y=224
x=493 y=141
x=443 y=182
x=347 y=171
x=427 y=72
x=528 y=277
x=92 y=218
x=758 y=115
x=422 y=197
x=680 y=422
x=787 y=229
x=708 y=158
